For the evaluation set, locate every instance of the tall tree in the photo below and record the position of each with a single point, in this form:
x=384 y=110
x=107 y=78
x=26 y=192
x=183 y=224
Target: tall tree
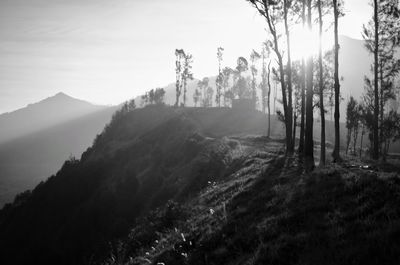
x=309 y=141
x=203 y=86
x=336 y=150
x=265 y=85
x=226 y=73
x=321 y=86
x=196 y=97
x=376 y=88
x=241 y=88
x=286 y=6
x=220 y=79
x=272 y=12
x=303 y=87
x=381 y=37
x=186 y=73
x=352 y=122
x=179 y=55
x=254 y=57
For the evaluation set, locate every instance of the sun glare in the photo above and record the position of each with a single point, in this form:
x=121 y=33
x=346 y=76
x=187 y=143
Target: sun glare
x=305 y=43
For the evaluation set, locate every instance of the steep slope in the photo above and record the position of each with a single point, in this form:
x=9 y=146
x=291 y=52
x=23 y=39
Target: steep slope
x=141 y=160
x=271 y=212
x=29 y=159
x=49 y=112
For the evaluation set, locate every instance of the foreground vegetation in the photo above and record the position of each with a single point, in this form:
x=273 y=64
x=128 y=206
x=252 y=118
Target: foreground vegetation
x=209 y=191
x=268 y=211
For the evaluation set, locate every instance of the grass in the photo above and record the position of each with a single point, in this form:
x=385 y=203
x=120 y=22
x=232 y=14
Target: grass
x=266 y=210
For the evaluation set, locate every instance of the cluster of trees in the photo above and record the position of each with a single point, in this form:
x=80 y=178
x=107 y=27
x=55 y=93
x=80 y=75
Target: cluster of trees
x=360 y=120
x=203 y=95
x=375 y=114
x=382 y=38
x=233 y=83
x=154 y=96
x=310 y=83
x=303 y=84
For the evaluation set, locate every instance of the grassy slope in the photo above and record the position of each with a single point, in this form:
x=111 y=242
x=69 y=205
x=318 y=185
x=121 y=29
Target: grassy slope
x=269 y=212
x=239 y=200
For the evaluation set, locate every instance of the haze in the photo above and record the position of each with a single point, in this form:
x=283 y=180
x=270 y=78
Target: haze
x=109 y=51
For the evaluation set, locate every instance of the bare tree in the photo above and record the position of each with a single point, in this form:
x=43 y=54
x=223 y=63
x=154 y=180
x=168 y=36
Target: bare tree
x=186 y=73
x=220 y=79
x=321 y=87
x=179 y=54
x=272 y=12
x=309 y=141
x=336 y=150
x=303 y=87
x=254 y=57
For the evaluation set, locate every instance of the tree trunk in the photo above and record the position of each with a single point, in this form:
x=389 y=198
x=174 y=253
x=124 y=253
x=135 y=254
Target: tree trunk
x=288 y=118
x=303 y=93
x=348 y=140
x=294 y=127
x=184 y=91
x=361 y=140
x=376 y=99
x=289 y=123
x=269 y=96
x=381 y=150
x=355 y=136
x=309 y=141
x=321 y=88
x=336 y=151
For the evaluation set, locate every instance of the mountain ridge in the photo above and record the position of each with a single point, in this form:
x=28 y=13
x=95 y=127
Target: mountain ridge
x=43 y=114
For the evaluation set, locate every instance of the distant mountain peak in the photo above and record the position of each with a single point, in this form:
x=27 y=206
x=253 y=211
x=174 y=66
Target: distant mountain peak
x=61 y=94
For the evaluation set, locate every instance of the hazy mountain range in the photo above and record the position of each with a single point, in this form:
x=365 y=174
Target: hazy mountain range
x=37 y=139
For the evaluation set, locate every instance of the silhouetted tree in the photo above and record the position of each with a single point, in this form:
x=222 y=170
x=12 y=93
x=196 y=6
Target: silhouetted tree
x=220 y=78
x=241 y=87
x=203 y=86
x=321 y=85
x=254 y=57
x=144 y=99
x=196 y=97
x=227 y=93
x=352 y=123
x=180 y=55
x=286 y=5
x=391 y=130
x=186 y=74
x=265 y=85
x=131 y=105
x=272 y=12
x=336 y=14
x=309 y=141
x=208 y=100
x=159 y=94
x=303 y=87
x=381 y=37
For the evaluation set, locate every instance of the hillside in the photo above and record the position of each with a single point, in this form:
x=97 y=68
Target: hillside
x=201 y=186
x=29 y=159
x=139 y=162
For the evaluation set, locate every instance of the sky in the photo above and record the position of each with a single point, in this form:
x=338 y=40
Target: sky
x=108 y=51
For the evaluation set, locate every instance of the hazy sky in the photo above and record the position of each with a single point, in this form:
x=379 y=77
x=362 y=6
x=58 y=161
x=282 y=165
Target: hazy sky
x=107 y=51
